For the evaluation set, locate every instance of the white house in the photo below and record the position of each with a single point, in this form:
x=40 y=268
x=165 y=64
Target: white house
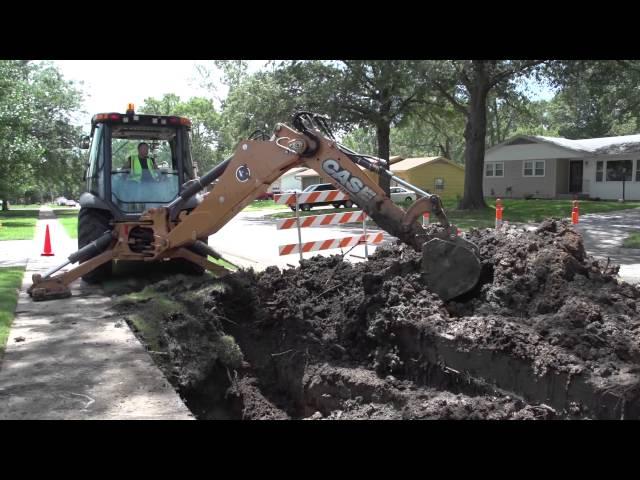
x=288 y=180
x=555 y=167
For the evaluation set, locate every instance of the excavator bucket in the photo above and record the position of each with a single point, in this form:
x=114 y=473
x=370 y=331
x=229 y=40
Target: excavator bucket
x=450 y=268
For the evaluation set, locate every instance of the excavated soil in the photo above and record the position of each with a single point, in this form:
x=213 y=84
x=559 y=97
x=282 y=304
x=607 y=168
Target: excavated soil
x=549 y=333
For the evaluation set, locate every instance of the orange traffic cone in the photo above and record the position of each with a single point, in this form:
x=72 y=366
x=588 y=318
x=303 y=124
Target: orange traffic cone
x=47 y=244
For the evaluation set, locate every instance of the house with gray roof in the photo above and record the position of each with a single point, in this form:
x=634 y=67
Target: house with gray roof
x=555 y=167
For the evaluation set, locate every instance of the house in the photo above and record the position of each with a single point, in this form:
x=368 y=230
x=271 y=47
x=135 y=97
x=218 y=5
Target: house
x=555 y=167
x=288 y=181
x=433 y=174
x=311 y=177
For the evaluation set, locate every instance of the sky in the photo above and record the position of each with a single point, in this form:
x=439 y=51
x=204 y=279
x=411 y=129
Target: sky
x=109 y=85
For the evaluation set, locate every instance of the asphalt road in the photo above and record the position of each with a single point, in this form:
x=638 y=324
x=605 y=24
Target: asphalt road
x=251 y=240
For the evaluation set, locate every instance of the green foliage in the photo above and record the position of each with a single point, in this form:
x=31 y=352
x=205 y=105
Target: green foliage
x=36 y=136
x=10 y=280
x=205 y=125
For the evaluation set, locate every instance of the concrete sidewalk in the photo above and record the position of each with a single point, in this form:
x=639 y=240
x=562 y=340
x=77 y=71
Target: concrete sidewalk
x=15 y=253
x=70 y=359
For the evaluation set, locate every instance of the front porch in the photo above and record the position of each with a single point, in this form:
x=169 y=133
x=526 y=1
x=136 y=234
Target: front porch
x=570 y=179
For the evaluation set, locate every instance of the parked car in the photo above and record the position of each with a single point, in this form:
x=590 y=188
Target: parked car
x=402 y=195
x=61 y=201
x=321 y=187
x=70 y=203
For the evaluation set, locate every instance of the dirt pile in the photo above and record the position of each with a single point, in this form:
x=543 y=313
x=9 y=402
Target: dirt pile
x=548 y=333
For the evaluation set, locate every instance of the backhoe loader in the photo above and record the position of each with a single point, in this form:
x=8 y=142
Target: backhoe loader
x=171 y=220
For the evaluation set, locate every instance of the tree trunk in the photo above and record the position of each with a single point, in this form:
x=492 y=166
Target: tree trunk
x=475 y=134
x=5 y=204
x=383 y=132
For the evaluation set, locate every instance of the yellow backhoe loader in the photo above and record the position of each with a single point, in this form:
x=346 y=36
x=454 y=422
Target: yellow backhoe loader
x=126 y=216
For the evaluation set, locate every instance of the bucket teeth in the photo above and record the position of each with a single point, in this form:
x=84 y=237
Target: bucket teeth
x=48 y=290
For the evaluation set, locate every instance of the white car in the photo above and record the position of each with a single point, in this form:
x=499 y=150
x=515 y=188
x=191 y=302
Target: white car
x=402 y=195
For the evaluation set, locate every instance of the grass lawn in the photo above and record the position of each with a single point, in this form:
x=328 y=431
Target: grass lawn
x=222 y=263
x=529 y=211
x=515 y=211
x=18 y=224
x=69 y=220
x=258 y=205
x=31 y=206
x=632 y=241
x=10 y=280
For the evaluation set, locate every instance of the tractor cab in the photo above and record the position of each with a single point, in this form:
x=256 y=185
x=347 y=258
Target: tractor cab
x=116 y=180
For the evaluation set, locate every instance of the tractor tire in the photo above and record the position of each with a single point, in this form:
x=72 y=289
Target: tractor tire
x=348 y=204
x=92 y=223
x=305 y=207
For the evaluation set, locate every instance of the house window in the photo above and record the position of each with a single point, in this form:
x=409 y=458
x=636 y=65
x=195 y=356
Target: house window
x=533 y=168
x=599 y=170
x=494 y=169
x=637 y=170
x=439 y=183
x=618 y=170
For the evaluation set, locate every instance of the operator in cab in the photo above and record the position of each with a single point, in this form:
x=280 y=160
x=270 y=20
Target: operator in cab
x=142 y=167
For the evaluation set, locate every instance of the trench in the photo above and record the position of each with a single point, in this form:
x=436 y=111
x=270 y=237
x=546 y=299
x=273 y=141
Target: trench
x=374 y=344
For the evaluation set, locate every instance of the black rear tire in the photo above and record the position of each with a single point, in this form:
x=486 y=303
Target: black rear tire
x=348 y=204
x=305 y=207
x=92 y=223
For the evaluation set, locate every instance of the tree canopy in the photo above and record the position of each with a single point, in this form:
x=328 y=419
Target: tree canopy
x=451 y=108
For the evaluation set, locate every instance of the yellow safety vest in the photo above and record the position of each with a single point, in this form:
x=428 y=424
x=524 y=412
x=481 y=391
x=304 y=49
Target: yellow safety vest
x=136 y=169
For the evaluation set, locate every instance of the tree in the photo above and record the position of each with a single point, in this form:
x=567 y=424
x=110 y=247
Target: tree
x=36 y=137
x=205 y=124
x=466 y=84
x=595 y=98
x=259 y=101
x=432 y=130
x=376 y=94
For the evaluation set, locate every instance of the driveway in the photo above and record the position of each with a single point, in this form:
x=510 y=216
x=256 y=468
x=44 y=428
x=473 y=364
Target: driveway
x=603 y=234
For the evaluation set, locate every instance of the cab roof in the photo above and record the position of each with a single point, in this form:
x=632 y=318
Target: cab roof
x=133 y=118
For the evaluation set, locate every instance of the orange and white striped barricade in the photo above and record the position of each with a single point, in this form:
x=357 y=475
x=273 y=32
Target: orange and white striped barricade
x=374 y=238
x=321 y=220
x=297 y=198
x=324 y=220
x=311 y=197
